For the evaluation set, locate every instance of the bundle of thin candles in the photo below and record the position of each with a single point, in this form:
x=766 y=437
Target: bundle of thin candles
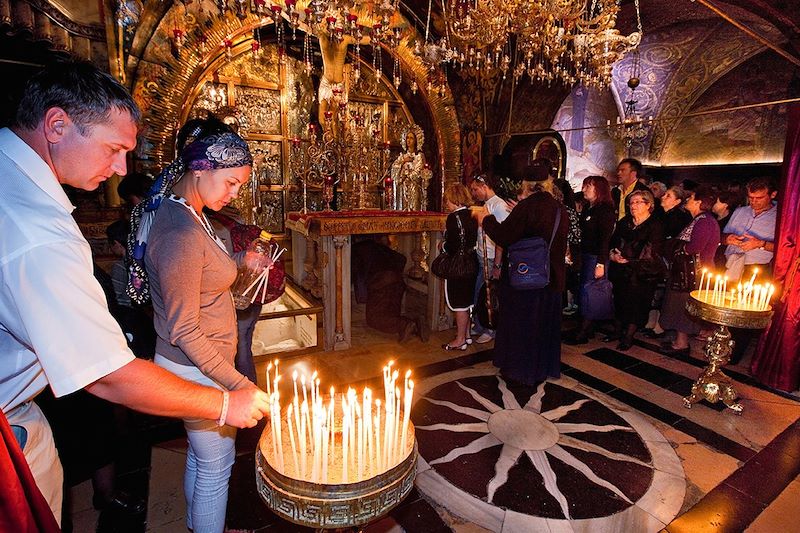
x=328 y=443
x=260 y=283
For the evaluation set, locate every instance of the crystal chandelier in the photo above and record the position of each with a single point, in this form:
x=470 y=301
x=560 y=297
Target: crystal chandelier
x=571 y=41
x=372 y=21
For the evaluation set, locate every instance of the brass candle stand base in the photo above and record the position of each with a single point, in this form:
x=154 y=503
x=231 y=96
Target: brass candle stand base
x=713 y=385
x=330 y=506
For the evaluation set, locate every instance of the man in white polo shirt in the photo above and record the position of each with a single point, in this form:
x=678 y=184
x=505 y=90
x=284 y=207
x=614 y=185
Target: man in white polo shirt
x=74 y=127
x=482 y=189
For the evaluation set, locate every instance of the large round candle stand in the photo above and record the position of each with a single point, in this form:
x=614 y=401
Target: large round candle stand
x=713 y=385
x=330 y=505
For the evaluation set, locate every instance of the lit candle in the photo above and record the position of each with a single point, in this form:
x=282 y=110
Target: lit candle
x=292 y=440
x=360 y=437
x=315 y=450
x=269 y=387
x=378 y=457
x=406 y=414
x=753 y=277
x=717 y=283
x=708 y=283
x=278 y=431
x=272 y=426
x=739 y=293
x=770 y=293
x=705 y=271
x=303 y=458
x=724 y=289
x=757 y=297
x=325 y=453
x=345 y=436
x=331 y=425
x=367 y=410
x=765 y=297
x=396 y=439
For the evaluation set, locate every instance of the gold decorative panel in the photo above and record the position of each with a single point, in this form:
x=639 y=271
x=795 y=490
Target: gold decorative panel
x=261 y=108
x=300 y=98
x=248 y=70
x=269 y=215
x=267 y=162
x=396 y=123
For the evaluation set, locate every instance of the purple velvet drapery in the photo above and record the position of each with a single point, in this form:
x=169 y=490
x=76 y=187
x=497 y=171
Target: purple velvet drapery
x=777 y=359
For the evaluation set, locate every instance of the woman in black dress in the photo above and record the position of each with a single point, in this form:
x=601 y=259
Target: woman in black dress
x=461 y=234
x=637 y=248
x=527 y=346
x=597 y=225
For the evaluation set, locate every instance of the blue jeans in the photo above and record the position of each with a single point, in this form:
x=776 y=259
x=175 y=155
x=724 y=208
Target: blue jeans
x=245 y=324
x=208 y=468
x=208 y=461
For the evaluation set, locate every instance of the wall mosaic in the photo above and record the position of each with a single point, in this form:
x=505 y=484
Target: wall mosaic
x=745 y=136
x=590 y=151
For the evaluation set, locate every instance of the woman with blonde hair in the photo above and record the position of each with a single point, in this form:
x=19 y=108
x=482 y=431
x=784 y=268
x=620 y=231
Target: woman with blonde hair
x=460 y=238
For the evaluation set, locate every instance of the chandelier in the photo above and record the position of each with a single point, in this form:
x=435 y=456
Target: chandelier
x=571 y=41
x=372 y=21
x=632 y=127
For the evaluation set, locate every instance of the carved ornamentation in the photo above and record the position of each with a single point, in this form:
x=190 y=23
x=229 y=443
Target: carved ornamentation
x=184 y=69
x=267 y=162
x=366 y=225
x=322 y=506
x=261 y=108
x=247 y=70
x=94 y=32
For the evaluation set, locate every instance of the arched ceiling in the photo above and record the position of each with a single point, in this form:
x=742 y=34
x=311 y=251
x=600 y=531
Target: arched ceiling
x=686 y=51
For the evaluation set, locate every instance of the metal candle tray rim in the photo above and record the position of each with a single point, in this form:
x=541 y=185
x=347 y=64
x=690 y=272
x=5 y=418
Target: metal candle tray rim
x=335 y=505
x=727 y=316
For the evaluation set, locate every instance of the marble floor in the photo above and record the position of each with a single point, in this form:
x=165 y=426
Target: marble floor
x=607 y=447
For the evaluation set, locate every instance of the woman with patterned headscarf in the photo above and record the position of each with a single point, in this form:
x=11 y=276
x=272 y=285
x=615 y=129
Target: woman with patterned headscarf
x=179 y=262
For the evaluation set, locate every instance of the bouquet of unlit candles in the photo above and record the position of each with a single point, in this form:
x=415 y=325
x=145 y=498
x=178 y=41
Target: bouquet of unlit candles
x=344 y=441
x=261 y=281
x=749 y=296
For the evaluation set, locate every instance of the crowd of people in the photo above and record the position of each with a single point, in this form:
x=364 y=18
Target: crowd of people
x=623 y=255
x=535 y=253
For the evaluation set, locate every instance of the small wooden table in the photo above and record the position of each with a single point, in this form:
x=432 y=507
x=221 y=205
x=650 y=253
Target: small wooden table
x=321 y=244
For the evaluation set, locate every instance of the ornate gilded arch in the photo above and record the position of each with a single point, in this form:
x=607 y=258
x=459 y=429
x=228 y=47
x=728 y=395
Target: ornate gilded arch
x=162 y=83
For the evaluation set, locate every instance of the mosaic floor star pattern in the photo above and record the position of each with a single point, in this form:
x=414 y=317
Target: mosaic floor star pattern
x=546 y=454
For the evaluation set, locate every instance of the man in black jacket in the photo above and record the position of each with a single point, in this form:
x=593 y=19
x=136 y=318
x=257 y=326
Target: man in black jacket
x=629 y=171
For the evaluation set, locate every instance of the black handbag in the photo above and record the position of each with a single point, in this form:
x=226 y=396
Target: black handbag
x=597 y=299
x=683 y=271
x=459 y=265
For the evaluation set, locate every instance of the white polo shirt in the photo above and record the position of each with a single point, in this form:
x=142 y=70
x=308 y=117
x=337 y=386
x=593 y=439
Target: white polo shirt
x=54 y=322
x=499 y=208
